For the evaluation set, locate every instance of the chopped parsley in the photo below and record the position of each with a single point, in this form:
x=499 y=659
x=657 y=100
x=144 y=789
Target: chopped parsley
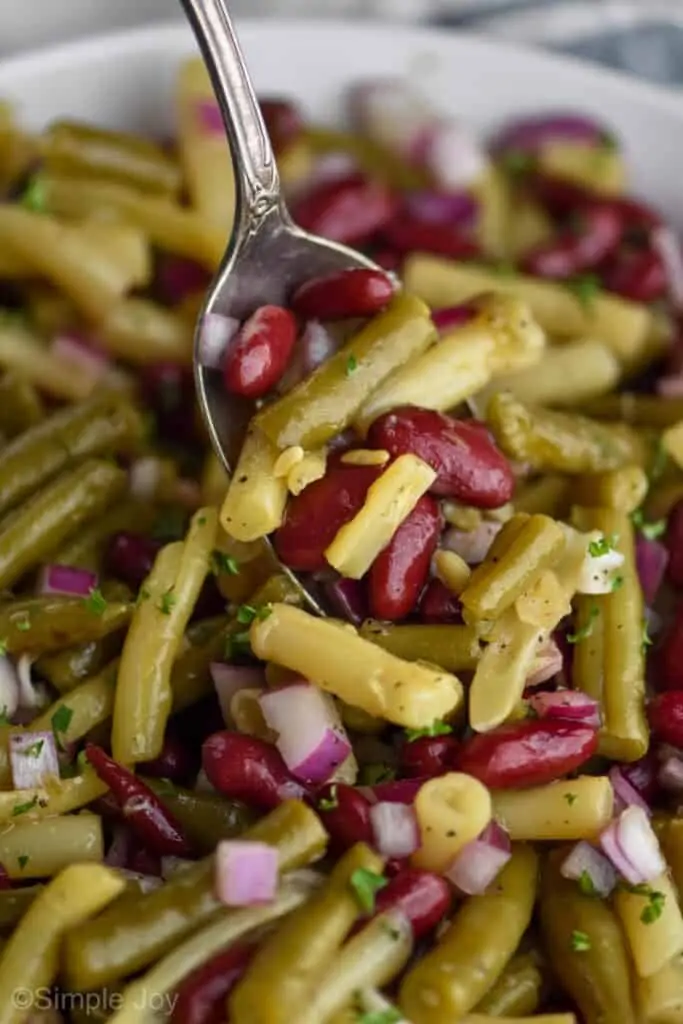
x=580 y=942
x=167 y=601
x=597 y=548
x=586 y=288
x=34 y=749
x=60 y=721
x=646 y=639
x=654 y=907
x=389 y=1016
x=82 y=760
x=34 y=197
x=587 y=629
x=517 y=161
x=3 y=648
x=366 y=884
x=437 y=728
x=143 y=595
x=220 y=562
x=330 y=802
x=586 y=884
x=22 y=860
x=651 y=531
x=96 y=602
x=23 y=624
x=617 y=583
x=351 y=365
x=24 y=808
x=247 y=613
x=237 y=644
x=570 y=798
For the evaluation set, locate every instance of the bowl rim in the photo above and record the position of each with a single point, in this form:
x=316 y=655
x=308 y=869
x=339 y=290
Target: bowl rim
x=156 y=36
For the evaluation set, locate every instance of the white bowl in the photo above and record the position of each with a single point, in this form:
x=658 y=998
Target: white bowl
x=126 y=80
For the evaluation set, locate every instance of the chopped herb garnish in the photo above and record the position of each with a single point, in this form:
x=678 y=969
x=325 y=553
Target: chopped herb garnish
x=580 y=942
x=570 y=798
x=517 y=161
x=366 y=884
x=220 y=562
x=597 y=548
x=22 y=860
x=237 y=644
x=34 y=749
x=587 y=629
x=23 y=624
x=201 y=521
x=329 y=803
x=437 y=728
x=24 y=808
x=4 y=717
x=247 y=613
x=617 y=583
x=167 y=601
x=650 y=530
x=143 y=595
x=34 y=196
x=389 y=1016
x=96 y=602
x=646 y=640
x=586 y=288
x=60 y=721
x=82 y=760
x=372 y=774
x=3 y=648
x=654 y=908
x=586 y=884
x=351 y=365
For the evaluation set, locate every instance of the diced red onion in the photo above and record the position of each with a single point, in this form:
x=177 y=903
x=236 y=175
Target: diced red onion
x=670 y=775
x=348 y=598
x=209 y=117
x=310 y=736
x=66 y=579
x=317 y=345
x=9 y=687
x=144 y=477
x=391 y=112
x=668 y=246
x=452 y=153
x=394 y=828
x=471 y=545
x=216 y=333
x=73 y=349
x=173 y=865
x=587 y=860
x=651 y=560
x=632 y=847
x=33 y=759
x=179 y=277
x=569 y=704
x=459 y=208
x=480 y=862
x=670 y=387
x=547 y=664
x=529 y=134
x=642 y=775
x=246 y=872
x=31 y=695
x=395 y=791
x=625 y=794
x=451 y=316
x=229 y=679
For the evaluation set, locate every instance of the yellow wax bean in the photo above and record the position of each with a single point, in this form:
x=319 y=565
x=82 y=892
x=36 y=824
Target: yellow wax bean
x=571 y=809
x=451 y=811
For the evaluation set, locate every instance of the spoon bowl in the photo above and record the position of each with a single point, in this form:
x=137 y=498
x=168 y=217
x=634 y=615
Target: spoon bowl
x=268 y=256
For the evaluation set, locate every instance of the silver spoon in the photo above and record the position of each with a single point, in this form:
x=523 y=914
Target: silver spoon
x=268 y=256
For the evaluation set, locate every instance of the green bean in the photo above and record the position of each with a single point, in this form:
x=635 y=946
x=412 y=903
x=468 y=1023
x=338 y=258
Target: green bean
x=547 y=494
x=292 y=961
x=368 y=154
x=621 y=489
x=30 y=534
x=103 y=425
x=455 y=648
x=517 y=992
x=50 y=623
x=14 y=903
x=597 y=975
x=134 y=933
x=561 y=442
x=325 y=403
x=65 y=669
x=86 y=549
x=144 y=695
x=498 y=581
x=40 y=849
x=638 y=410
x=624 y=735
x=83 y=708
x=671 y=838
x=472 y=953
x=72 y=148
x=20 y=405
x=206 y=818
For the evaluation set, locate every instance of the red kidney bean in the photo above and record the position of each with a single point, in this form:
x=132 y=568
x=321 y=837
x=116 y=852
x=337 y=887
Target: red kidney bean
x=176 y=277
x=258 y=355
x=668 y=673
x=399 y=573
x=5 y=880
x=176 y=761
x=665 y=713
x=582 y=244
x=248 y=769
x=314 y=516
x=642 y=775
x=452 y=316
x=407 y=234
x=283 y=120
x=200 y=998
x=349 y=599
x=347 y=293
x=168 y=390
x=423 y=897
x=428 y=756
x=637 y=274
x=674 y=545
x=470 y=467
x=144 y=862
x=388 y=258
x=439 y=606
x=130 y=557
x=562 y=197
x=350 y=210
x=345 y=813
x=527 y=753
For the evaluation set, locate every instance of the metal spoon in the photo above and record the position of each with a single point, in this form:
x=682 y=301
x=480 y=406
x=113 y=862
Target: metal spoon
x=267 y=256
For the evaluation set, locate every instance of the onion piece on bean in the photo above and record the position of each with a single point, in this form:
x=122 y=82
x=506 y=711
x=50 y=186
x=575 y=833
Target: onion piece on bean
x=451 y=152
x=586 y=862
x=66 y=579
x=632 y=847
x=668 y=247
x=652 y=559
x=33 y=759
x=479 y=863
x=229 y=679
x=246 y=872
x=625 y=794
x=395 y=829
x=216 y=333
x=568 y=704
x=547 y=664
x=471 y=545
x=460 y=208
x=311 y=738
x=391 y=112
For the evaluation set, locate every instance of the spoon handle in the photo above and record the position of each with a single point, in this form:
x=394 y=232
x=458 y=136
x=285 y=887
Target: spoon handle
x=256 y=174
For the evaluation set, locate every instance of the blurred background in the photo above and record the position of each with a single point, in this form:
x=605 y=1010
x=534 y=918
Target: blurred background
x=641 y=37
